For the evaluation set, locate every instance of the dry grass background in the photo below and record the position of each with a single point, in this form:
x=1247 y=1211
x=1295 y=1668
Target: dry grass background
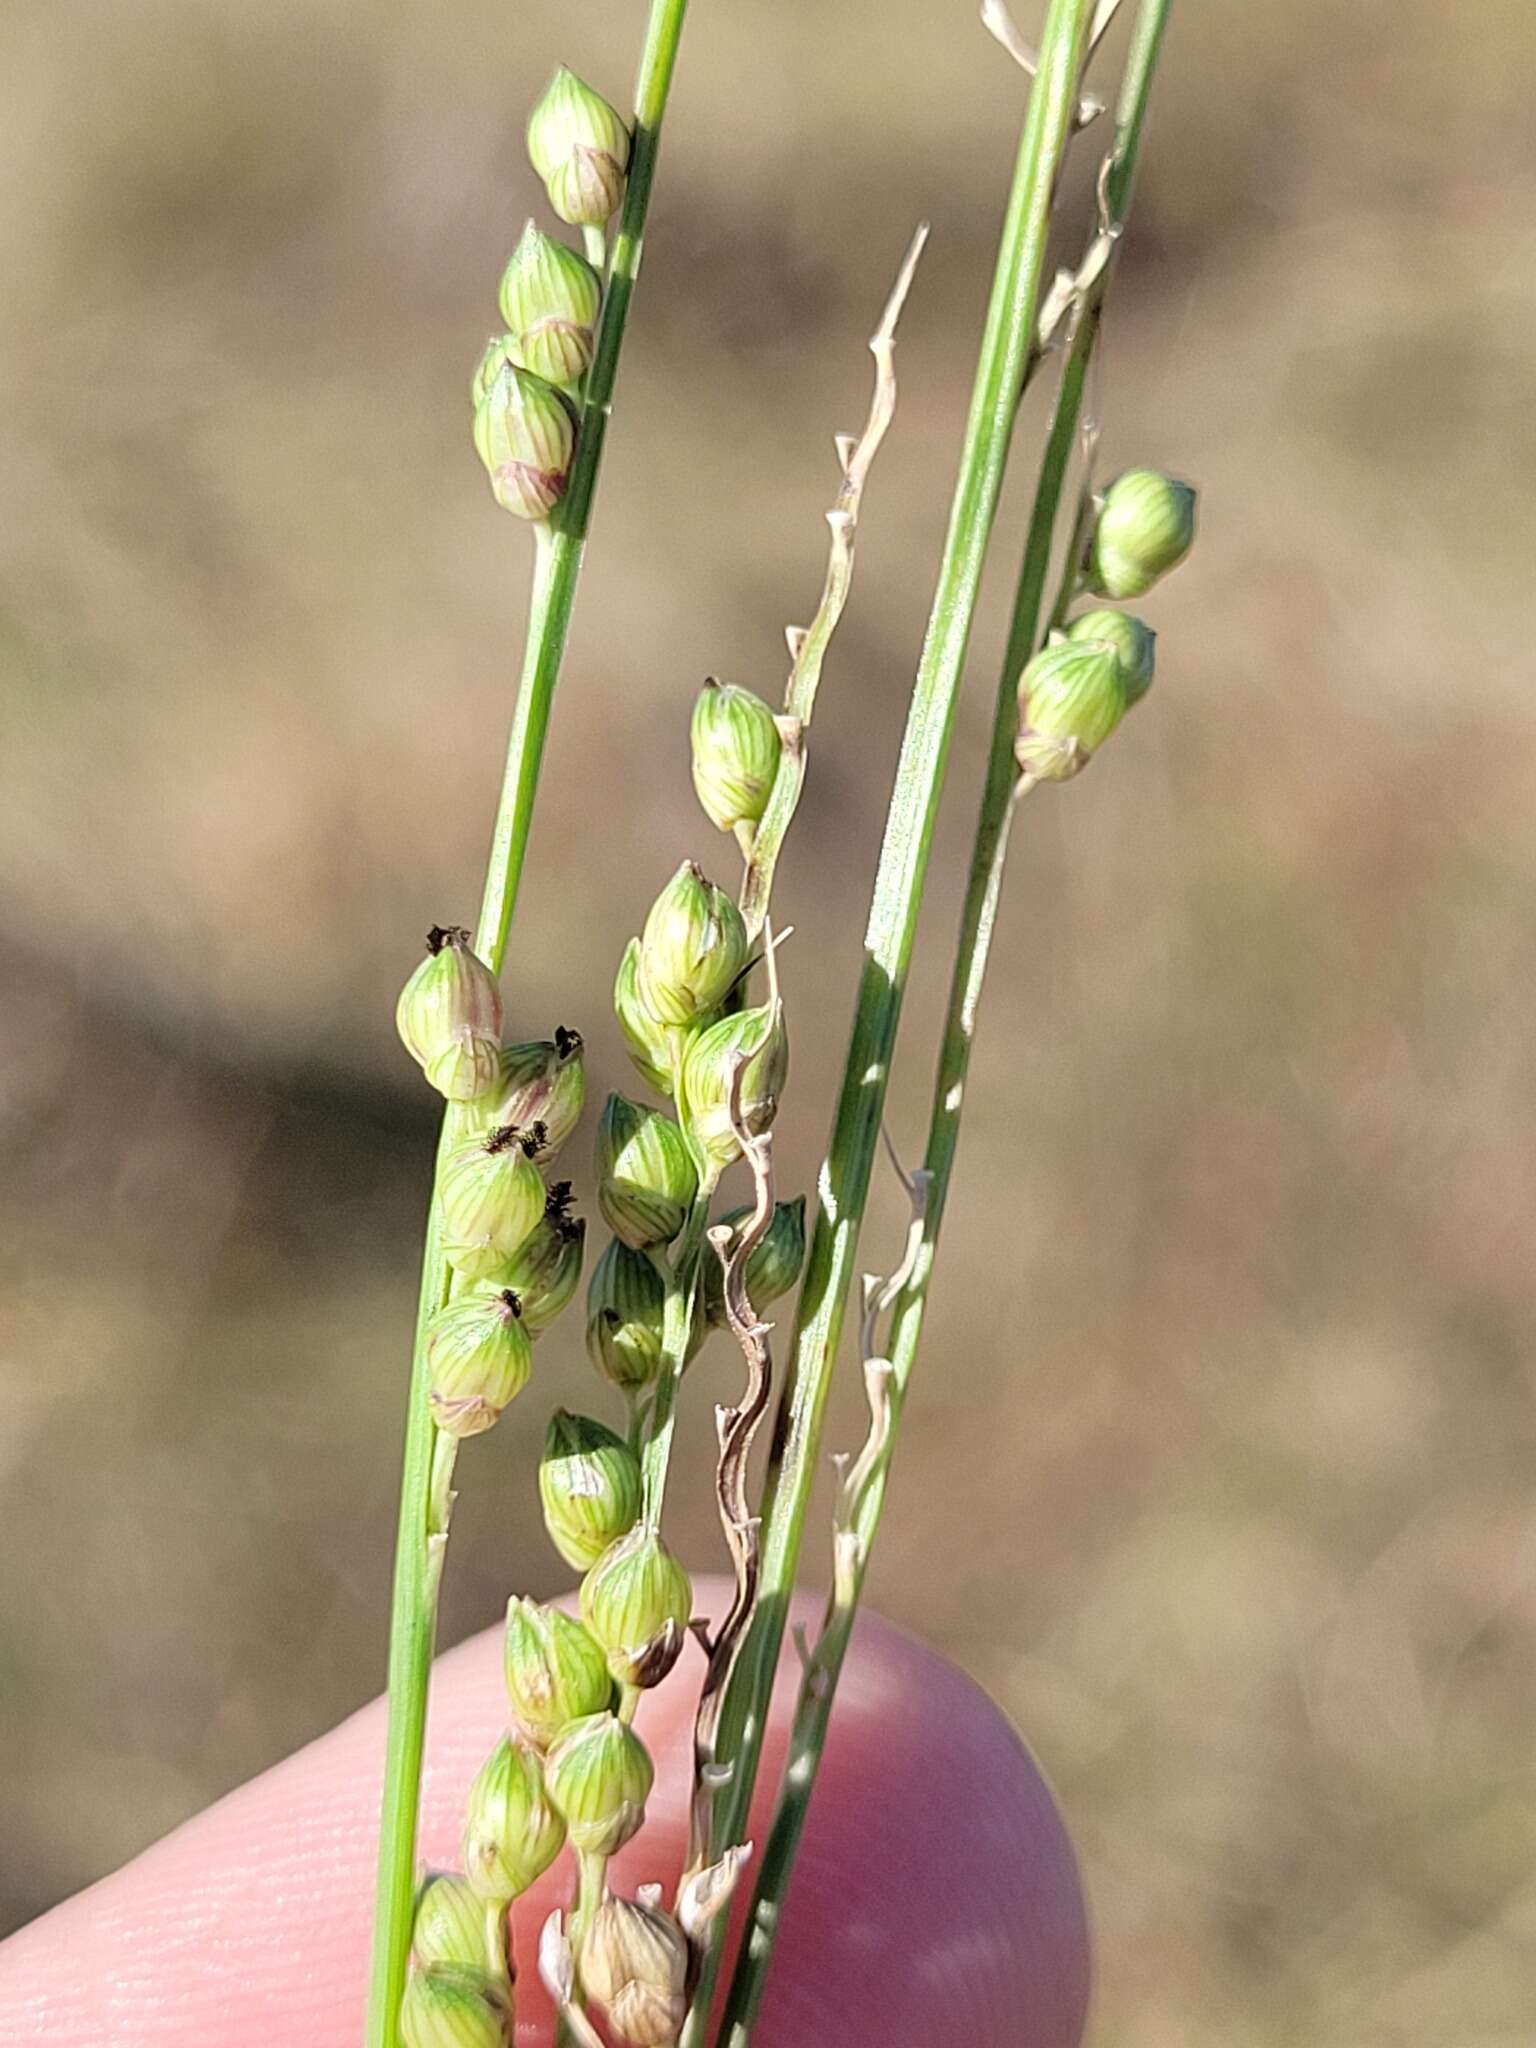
x=1219 y=1470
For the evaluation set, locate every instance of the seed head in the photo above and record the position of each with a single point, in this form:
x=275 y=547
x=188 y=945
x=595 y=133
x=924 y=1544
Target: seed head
x=1145 y=527
x=646 y=1182
x=580 y=148
x=637 y=1601
x=478 y=1359
x=449 y=1016
x=736 y=754
x=549 y=300
x=589 y=1485
x=556 y=1670
x=1072 y=695
x=512 y=1832
x=525 y=436
x=693 y=947
x=1132 y=641
x=599 y=1776
x=705 y=1100
x=625 y=1300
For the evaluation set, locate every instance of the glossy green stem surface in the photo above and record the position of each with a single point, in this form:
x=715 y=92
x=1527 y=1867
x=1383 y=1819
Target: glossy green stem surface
x=844 y=1184
x=422 y=1531
x=988 y=861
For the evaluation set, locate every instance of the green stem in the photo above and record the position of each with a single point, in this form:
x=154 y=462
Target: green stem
x=988 y=862
x=682 y=1284
x=897 y=897
x=422 y=1535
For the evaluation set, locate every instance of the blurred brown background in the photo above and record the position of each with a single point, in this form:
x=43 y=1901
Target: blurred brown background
x=1219 y=1472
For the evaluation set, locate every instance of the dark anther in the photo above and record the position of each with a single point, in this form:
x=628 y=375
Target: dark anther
x=512 y=1301
x=504 y=1139
x=567 y=1042
x=534 y=1139
x=446 y=935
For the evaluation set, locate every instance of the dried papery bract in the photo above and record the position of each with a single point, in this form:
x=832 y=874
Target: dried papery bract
x=634 y=1964
x=772 y=1266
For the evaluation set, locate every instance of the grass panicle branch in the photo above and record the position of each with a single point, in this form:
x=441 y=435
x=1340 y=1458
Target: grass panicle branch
x=1005 y=353
x=425 y=1492
x=888 y=1375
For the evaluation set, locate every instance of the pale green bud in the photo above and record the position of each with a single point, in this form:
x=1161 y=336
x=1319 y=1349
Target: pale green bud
x=1071 y=698
x=512 y=1830
x=556 y=1670
x=478 y=1359
x=544 y=1273
x=773 y=1266
x=580 y=147
x=525 y=436
x=647 y=1040
x=692 y=949
x=1132 y=641
x=1145 y=527
x=599 y=1776
x=549 y=300
x=625 y=1300
x=637 y=1601
x=736 y=754
x=500 y=350
x=589 y=1484
x=705 y=1099
x=455 y=2008
x=540 y=1083
x=634 y=1964
x=449 y=1016
x=492 y=1199
x=449 y=1928
x=646 y=1181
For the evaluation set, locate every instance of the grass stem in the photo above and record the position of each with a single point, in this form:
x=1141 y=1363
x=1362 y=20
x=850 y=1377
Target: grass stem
x=422 y=1533
x=988 y=862
x=1005 y=353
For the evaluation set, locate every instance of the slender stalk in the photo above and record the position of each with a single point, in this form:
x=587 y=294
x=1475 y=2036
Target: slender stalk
x=424 y=1506
x=988 y=861
x=898 y=889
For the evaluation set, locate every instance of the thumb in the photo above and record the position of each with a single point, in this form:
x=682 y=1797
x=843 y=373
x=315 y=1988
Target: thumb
x=935 y=1897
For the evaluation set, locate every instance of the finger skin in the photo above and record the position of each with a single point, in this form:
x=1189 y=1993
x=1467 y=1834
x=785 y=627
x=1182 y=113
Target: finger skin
x=935 y=1900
